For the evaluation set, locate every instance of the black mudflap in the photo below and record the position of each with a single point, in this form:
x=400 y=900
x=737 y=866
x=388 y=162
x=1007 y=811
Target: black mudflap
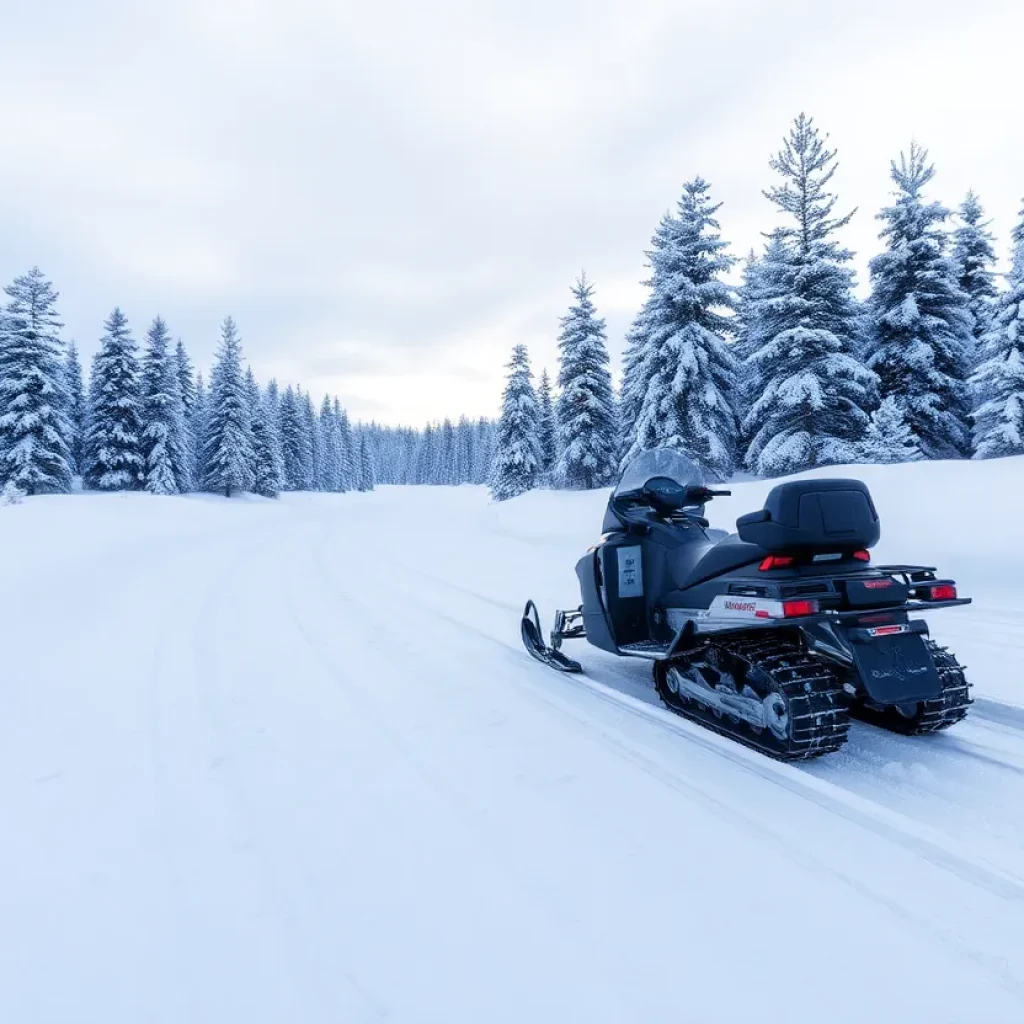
x=895 y=668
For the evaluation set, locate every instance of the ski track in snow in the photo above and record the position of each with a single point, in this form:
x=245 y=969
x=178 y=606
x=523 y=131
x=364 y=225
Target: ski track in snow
x=290 y=763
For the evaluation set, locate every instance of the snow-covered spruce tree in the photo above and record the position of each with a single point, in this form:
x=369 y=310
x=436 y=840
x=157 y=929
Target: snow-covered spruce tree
x=998 y=383
x=228 y=457
x=446 y=462
x=330 y=438
x=36 y=434
x=189 y=396
x=464 y=438
x=347 y=451
x=483 y=453
x=548 y=425
x=812 y=393
x=889 y=438
x=266 y=450
x=585 y=412
x=294 y=443
x=165 y=453
x=197 y=424
x=686 y=375
x=76 y=405
x=316 y=454
x=634 y=367
x=367 y=480
x=922 y=337
x=516 y=466
x=114 y=458
x=975 y=260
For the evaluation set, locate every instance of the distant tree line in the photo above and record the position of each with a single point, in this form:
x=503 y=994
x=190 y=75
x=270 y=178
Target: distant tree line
x=790 y=370
x=146 y=421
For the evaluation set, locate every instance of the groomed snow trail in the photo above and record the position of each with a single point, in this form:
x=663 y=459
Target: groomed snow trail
x=271 y=762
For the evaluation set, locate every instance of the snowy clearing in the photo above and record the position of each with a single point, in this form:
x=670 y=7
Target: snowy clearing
x=287 y=761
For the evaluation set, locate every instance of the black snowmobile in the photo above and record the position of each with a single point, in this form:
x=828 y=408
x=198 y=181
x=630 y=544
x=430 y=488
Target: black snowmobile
x=773 y=635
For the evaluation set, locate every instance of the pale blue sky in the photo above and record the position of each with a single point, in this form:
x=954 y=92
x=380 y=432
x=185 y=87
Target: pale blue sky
x=387 y=196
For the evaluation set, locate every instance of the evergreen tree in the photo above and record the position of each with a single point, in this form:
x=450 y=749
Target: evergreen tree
x=922 y=324
x=998 y=383
x=548 y=425
x=346 y=450
x=634 y=358
x=889 y=437
x=313 y=443
x=367 y=481
x=36 y=434
x=267 y=466
x=483 y=451
x=166 y=457
x=76 y=405
x=686 y=375
x=114 y=459
x=330 y=442
x=446 y=462
x=516 y=466
x=464 y=438
x=811 y=392
x=197 y=428
x=586 y=412
x=975 y=260
x=294 y=443
x=228 y=456
x=189 y=395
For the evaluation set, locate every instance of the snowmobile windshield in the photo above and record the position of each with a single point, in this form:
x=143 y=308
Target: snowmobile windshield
x=660 y=462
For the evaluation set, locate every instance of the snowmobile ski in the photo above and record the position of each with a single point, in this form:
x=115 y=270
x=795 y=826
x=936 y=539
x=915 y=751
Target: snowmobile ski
x=549 y=654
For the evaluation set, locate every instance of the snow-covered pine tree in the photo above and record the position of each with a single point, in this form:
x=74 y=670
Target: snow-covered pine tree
x=483 y=451
x=36 y=434
x=975 y=260
x=228 y=457
x=634 y=367
x=922 y=339
x=166 y=458
x=447 y=457
x=586 y=414
x=516 y=466
x=330 y=469
x=812 y=392
x=189 y=399
x=998 y=382
x=271 y=399
x=114 y=458
x=889 y=438
x=197 y=424
x=266 y=451
x=685 y=376
x=294 y=443
x=316 y=454
x=367 y=480
x=347 y=480
x=76 y=405
x=548 y=425
x=464 y=438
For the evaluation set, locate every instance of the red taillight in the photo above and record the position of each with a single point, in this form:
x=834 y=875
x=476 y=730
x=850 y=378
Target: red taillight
x=794 y=609
x=942 y=592
x=775 y=562
x=862 y=556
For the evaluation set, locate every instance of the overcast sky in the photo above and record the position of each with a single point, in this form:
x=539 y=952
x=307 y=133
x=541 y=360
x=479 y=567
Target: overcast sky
x=388 y=196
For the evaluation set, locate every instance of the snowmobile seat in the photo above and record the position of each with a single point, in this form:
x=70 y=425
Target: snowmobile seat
x=726 y=555
x=813 y=515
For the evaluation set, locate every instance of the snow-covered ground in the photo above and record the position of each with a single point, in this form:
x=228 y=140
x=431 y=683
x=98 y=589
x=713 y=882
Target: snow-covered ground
x=287 y=762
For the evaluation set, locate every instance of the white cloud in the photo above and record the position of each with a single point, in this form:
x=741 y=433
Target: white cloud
x=388 y=196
